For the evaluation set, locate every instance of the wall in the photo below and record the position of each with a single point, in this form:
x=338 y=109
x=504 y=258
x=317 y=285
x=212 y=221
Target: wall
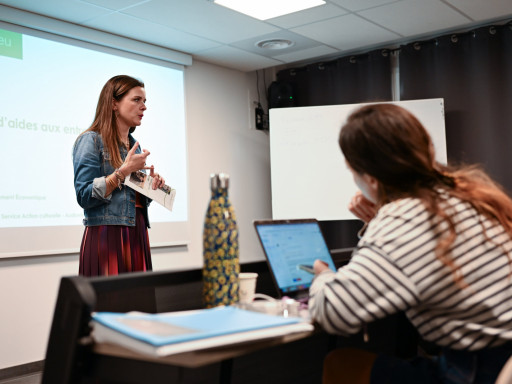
x=221 y=138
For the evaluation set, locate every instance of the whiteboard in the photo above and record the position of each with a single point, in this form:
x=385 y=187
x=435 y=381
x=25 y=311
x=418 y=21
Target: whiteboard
x=308 y=172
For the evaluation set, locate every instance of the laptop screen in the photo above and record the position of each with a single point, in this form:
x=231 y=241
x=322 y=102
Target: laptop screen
x=288 y=245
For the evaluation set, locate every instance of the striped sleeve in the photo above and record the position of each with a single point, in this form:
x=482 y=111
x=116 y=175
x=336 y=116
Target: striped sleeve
x=395 y=268
x=370 y=287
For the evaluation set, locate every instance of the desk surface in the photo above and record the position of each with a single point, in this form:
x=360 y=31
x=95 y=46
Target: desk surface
x=70 y=359
x=202 y=357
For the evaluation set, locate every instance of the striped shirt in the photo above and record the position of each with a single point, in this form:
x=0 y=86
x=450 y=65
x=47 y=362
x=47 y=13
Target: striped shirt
x=394 y=268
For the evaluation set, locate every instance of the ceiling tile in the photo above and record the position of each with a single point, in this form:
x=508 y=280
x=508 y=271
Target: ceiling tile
x=357 y=5
x=69 y=10
x=235 y=58
x=225 y=37
x=300 y=42
x=122 y=24
x=114 y=4
x=307 y=16
x=305 y=54
x=346 y=32
x=415 y=17
x=480 y=10
x=202 y=18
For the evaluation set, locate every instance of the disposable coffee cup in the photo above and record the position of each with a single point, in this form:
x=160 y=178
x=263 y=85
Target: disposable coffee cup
x=247 y=287
x=291 y=307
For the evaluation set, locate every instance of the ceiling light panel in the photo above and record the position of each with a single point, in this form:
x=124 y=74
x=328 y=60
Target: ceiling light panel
x=268 y=9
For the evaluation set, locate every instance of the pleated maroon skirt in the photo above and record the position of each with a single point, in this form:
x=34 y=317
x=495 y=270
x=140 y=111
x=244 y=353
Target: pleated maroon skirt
x=113 y=249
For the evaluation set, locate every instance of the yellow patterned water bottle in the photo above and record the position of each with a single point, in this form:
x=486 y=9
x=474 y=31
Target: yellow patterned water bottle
x=220 y=247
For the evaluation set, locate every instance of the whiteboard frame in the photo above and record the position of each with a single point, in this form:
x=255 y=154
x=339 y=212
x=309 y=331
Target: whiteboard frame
x=309 y=177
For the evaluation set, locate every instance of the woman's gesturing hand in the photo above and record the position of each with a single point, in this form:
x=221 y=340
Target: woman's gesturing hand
x=134 y=161
x=137 y=161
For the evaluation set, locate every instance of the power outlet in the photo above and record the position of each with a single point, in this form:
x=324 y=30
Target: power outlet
x=259 y=118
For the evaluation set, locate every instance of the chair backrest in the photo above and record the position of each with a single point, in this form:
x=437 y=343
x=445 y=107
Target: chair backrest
x=505 y=376
x=69 y=341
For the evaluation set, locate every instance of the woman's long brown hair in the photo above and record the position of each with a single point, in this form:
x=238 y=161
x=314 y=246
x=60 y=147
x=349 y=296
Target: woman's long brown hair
x=105 y=120
x=390 y=144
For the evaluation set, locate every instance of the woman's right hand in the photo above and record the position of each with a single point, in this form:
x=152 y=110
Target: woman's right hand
x=319 y=266
x=134 y=161
x=361 y=207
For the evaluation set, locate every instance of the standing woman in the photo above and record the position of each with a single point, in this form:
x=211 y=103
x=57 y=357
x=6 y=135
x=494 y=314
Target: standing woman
x=439 y=248
x=115 y=239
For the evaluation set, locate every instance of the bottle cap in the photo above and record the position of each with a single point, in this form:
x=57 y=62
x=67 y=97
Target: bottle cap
x=219 y=180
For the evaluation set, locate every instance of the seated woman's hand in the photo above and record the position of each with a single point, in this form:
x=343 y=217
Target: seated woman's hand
x=362 y=208
x=319 y=266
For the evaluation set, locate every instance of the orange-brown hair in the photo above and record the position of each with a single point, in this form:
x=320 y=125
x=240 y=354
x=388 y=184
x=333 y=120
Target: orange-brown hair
x=105 y=120
x=390 y=144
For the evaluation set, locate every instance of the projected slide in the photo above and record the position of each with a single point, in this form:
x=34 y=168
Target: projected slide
x=48 y=96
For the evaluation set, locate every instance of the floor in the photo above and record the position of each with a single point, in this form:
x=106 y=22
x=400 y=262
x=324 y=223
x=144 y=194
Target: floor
x=33 y=378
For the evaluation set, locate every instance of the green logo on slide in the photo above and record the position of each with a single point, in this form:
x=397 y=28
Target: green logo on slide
x=11 y=44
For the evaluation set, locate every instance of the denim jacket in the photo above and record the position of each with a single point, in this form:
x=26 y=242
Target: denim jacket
x=91 y=163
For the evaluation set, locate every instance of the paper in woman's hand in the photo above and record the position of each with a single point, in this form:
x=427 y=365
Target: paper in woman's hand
x=142 y=183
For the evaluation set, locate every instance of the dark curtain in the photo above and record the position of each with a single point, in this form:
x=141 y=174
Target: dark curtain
x=473 y=73
x=347 y=80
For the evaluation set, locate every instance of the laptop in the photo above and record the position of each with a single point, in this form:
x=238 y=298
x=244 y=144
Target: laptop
x=290 y=248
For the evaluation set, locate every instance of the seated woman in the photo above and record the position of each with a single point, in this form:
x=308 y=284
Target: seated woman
x=437 y=246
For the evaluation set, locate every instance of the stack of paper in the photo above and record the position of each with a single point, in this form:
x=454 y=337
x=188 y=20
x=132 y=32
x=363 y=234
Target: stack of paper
x=142 y=183
x=164 y=334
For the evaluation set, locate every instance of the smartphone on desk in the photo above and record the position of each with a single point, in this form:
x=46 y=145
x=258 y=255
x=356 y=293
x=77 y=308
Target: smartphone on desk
x=307 y=268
